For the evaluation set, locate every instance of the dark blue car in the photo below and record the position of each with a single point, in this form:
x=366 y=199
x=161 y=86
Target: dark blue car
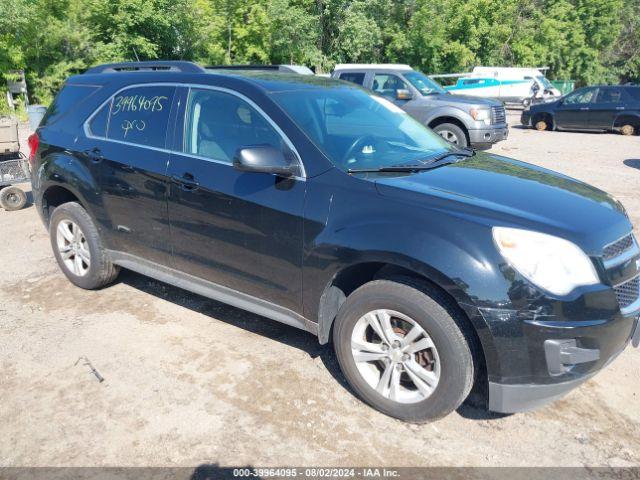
x=438 y=273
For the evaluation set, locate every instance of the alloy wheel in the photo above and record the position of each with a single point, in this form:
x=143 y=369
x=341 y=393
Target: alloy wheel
x=449 y=136
x=73 y=248
x=395 y=356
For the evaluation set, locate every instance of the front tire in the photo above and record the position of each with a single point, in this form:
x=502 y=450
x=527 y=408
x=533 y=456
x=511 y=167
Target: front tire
x=78 y=249
x=403 y=350
x=452 y=133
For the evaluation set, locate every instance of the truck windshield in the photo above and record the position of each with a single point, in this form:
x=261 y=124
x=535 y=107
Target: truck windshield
x=545 y=83
x=359 y=130
x=423 y=83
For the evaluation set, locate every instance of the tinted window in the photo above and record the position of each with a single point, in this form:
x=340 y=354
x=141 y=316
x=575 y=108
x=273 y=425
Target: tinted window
x=387 y=85
x=141 y=115
x=98 y=124
x=66 y=100
x=218 y=124
x=580 y=96
x=609 y=95
x=353 y=77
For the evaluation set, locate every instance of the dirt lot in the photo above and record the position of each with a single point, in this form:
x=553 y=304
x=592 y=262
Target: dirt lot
x=191 y=381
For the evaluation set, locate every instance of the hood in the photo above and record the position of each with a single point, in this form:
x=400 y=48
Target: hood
x=447 y=98
x=502 y=191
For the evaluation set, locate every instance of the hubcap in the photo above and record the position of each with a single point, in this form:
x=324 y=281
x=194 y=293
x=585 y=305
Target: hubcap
x=395 y=356
x=449 y=136
x=73 y=248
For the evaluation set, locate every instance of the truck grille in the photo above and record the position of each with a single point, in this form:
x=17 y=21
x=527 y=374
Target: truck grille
x=497 y=115
x=628 y=292
x=618 y=247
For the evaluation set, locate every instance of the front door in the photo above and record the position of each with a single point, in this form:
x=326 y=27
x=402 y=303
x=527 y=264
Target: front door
x=126 y=146
x=574 y=111
x=236 y=229
x=608 y=105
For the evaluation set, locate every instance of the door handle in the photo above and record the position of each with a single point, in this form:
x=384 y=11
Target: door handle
x=584 y=108
x=95 y=155
x=619 y=108
x=186 y=182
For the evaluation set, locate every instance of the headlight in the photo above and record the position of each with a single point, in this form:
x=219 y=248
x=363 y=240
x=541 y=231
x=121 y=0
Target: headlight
x=552 y=263
x=481 y=115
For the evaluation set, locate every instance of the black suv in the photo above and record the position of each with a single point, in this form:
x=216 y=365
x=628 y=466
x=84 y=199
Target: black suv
x=600 y=109
x=321 y=205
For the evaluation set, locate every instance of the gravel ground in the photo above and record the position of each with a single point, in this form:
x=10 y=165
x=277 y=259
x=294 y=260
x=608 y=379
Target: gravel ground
x=191 y=381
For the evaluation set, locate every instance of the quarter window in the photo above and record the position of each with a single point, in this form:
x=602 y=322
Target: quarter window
x=99 y=122
x=141 y=115
x=218 y=124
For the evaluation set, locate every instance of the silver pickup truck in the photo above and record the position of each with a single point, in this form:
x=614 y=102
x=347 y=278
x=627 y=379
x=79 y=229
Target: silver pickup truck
x=465 y=121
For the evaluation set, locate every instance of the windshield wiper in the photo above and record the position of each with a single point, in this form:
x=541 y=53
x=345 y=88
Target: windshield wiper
x=431 y=163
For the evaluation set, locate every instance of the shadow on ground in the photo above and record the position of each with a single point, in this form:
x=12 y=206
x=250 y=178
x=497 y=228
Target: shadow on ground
x=632 y=162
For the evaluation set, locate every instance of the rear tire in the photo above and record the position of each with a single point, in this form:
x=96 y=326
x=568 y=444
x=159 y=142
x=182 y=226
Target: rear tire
x=452 y=133
x=78 y=249
x=12 y=198
x=447 y=366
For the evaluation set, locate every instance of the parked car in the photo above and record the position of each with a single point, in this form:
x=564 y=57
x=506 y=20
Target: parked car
x=604 y=109
x=318 y=204
x=461 y=120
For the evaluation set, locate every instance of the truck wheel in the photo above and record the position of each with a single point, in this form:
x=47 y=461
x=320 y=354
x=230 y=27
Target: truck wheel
x=12 y=198
x=403 y=350
x=627 y=129
x=452 y=133
x=78 y=248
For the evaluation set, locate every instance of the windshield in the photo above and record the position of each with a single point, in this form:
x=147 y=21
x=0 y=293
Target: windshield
x=357 y=130
x=424 y=83
x=545 y=83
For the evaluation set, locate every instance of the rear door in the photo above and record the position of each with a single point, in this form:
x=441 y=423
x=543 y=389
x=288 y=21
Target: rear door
x=609 y=103
x=126 y=145
x=574 y=109
x=236 y=229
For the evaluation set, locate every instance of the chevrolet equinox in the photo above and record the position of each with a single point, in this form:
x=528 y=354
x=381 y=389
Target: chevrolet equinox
x=438 y=273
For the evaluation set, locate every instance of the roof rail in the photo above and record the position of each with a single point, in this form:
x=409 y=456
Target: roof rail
x=149 y=66
x=301 y=69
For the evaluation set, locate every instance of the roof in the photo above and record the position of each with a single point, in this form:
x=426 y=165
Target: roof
x=372 y=66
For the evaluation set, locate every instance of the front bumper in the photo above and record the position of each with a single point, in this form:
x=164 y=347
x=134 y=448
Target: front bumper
x=525 y=118
x=560 y=357
x=488 y=136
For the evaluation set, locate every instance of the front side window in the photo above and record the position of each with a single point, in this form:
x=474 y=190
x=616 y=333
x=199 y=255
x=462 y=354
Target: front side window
x=353 y=77
x=219 y=123
x=140 y=115
x=424 y=84
x=388 y=85
x=356 y=129
x=581 y=97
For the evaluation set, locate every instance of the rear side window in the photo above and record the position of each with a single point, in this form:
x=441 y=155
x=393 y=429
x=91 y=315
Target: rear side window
x=353 y=77
x=634 y=92
x=140 y=115
x=609 y=95
x=68 y=98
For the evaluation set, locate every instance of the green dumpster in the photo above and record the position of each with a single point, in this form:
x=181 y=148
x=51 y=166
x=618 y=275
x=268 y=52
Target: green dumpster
x=565 y=86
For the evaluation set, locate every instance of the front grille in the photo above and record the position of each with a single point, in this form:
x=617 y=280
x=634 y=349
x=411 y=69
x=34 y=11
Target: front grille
x=497 y=115
x=618 y=247
x=628 y=292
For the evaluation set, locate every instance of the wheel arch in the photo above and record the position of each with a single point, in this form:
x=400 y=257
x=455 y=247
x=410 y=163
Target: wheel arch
x=627 y=119
x=433 y=123
x=351 y=277
x=545 y=116
x=55 y=195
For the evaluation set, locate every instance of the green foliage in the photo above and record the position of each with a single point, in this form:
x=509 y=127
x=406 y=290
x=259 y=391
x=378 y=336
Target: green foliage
x=586 y=40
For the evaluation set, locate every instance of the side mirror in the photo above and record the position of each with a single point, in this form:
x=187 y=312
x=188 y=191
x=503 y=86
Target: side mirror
x=264 y=159
x=403 y=94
